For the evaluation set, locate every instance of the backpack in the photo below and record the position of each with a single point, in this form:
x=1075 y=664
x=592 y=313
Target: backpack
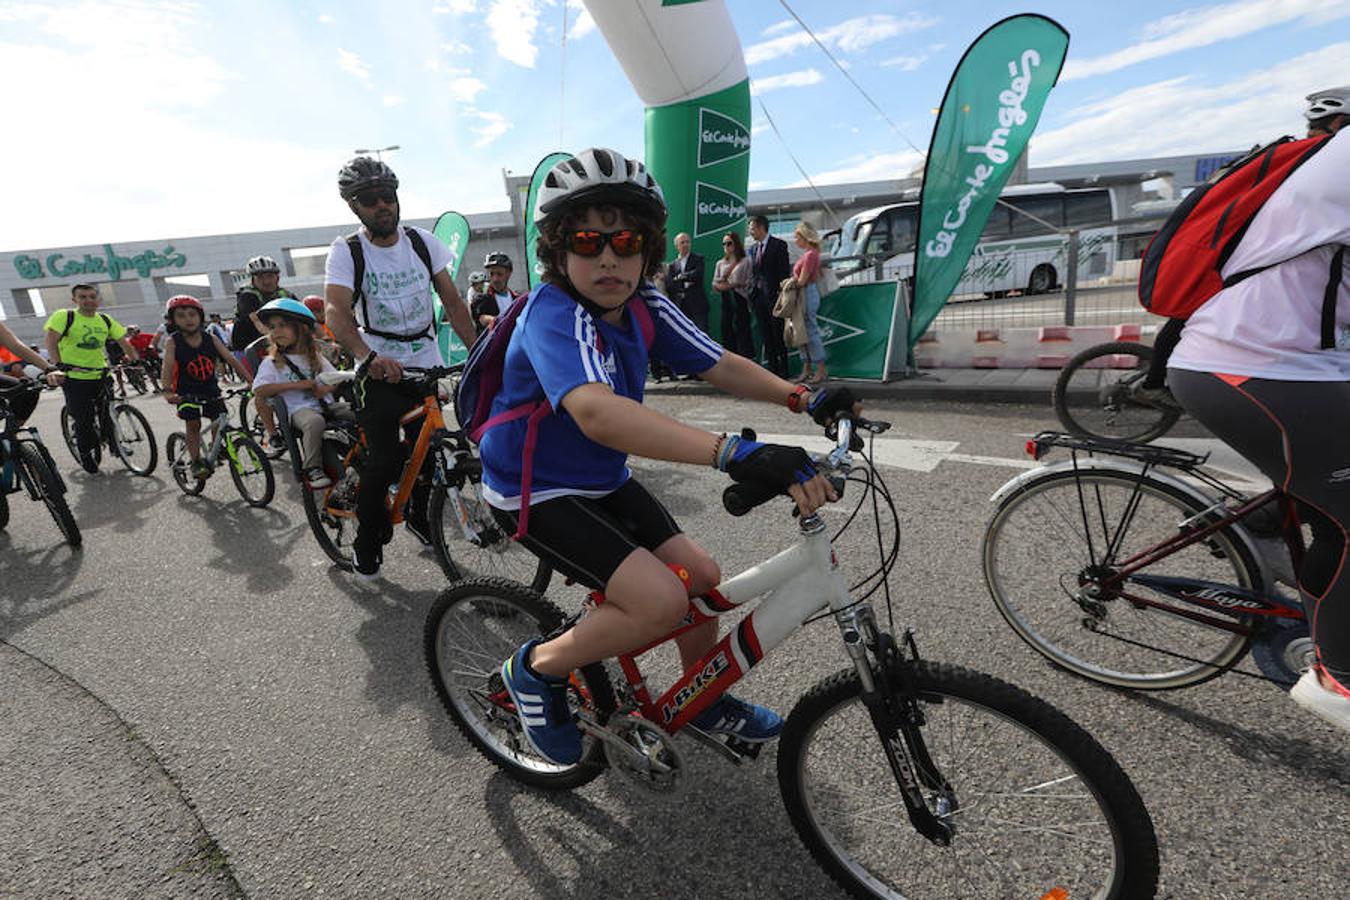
x=1181 y=268
x=359 y=273
x=481 y=381
x=70 y=320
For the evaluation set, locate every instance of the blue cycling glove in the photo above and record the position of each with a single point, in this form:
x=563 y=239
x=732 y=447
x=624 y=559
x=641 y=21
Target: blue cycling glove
x=775 y=465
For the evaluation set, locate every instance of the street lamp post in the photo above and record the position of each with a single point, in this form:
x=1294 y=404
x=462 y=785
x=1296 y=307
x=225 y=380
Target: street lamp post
x=377 y=152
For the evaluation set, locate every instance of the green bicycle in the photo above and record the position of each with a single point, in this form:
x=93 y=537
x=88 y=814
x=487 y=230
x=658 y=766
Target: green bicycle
x=249 y=467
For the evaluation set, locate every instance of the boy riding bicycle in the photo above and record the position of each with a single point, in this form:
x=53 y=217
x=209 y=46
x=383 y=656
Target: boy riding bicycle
x=76 y=337
x=582 y=344
x=189 y=371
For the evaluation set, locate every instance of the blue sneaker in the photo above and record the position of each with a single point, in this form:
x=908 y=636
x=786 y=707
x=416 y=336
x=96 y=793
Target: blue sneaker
x=736 y=718
x=541 y=704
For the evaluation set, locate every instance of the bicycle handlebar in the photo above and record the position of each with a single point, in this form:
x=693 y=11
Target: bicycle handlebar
x=743 y=496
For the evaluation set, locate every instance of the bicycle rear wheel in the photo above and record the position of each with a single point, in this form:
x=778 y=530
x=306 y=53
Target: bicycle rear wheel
x=1035 y=802
x=1044 y=558
x=1092 y=395
x=470 y=544
x=132 y=440
x=250 y=470
x=44 y=481
x=331 y=511
x=471 y=630
x=180 y=465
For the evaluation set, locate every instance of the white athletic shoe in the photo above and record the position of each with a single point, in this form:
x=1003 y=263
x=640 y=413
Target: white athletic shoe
x=1315 y=697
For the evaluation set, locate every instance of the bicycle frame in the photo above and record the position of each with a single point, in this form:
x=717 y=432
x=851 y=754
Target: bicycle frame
x=1207 y=594
x=796 y=583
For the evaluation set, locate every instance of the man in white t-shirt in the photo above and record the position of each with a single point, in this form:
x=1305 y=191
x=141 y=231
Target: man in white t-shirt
x=386 y=322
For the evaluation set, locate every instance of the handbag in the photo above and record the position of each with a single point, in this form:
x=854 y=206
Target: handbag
x=827 y=282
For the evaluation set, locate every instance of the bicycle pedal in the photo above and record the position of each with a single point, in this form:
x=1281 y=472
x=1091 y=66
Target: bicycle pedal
x=743 y=748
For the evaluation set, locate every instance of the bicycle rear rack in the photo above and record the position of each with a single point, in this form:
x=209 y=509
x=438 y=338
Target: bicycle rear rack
x=1151 y=454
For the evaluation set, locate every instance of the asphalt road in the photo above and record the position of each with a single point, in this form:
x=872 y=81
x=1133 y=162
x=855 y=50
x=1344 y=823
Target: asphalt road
x=255 y=689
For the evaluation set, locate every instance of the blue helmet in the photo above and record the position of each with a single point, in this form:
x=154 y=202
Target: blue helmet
x=290 y=308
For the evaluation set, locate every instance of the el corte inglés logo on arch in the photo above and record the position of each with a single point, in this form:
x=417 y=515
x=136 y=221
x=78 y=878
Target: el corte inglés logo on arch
x=716 y=209
x=720 y=138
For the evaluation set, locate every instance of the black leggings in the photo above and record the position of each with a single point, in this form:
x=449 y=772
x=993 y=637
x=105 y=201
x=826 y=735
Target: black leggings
x=380 y=405
x=1294 y=432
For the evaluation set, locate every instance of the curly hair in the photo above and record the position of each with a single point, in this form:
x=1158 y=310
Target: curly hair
x=304 y=345
x=551 y=246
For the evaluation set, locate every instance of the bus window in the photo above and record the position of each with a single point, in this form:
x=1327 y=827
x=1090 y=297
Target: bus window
x=1049 y=208
x=1084 y=209
x=903 y=237
x=996 y=229
x=879 y=242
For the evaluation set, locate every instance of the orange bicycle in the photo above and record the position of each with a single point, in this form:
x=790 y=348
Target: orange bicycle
x=466 y=539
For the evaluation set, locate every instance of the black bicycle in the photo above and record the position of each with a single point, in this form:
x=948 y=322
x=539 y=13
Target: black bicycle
x=118 y=425
x=27 y=465
x=1098 y=395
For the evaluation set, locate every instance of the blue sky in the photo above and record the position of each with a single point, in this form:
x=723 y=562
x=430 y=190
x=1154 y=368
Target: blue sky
x=137 y=120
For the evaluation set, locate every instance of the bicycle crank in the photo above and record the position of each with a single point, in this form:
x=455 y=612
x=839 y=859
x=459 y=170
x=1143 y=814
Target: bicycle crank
x=640 y=751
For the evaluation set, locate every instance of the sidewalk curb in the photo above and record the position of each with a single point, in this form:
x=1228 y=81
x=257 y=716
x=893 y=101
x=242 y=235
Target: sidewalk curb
x=1010 y=386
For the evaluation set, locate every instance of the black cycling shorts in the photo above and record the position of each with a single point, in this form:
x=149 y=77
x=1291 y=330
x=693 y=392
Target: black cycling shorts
x=206 y=409
x=588 y=538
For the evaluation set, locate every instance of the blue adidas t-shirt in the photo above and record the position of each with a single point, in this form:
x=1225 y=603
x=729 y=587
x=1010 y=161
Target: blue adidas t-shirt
x=558 y=346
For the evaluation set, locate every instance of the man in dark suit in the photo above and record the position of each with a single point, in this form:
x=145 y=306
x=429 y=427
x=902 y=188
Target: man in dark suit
x=684 y=282
x=769 y=266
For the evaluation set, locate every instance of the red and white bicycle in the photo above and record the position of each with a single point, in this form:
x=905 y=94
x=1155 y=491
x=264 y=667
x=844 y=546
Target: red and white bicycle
x=902 y=776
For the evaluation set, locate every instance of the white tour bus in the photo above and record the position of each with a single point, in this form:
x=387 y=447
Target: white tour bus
x=1015 y=253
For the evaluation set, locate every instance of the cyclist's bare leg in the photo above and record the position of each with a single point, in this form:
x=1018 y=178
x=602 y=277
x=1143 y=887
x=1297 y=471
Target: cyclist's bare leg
x=193 y=429
x=704 y=575
x=643 y=601
x=265 y=415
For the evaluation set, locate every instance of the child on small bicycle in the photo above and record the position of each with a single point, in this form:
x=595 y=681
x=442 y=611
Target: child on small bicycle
x=290 y=371
x=582 y=344
x=191 y=356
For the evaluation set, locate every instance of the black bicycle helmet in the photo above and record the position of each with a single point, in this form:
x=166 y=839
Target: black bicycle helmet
x=497 y=258
x=364 y=172
x=597 y=175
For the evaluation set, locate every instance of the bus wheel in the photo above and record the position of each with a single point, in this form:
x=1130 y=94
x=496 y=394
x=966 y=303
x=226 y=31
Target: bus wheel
x=1042 y=279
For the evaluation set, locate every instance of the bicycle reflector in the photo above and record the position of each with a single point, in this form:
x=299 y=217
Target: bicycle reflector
x=1034 y=451
x=1055 y=893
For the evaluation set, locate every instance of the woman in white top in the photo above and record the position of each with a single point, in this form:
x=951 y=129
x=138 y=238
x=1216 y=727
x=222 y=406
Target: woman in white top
x=732 y=276
x=1252 y=368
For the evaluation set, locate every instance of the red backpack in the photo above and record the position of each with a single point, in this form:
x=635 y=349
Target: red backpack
x=1181 y=267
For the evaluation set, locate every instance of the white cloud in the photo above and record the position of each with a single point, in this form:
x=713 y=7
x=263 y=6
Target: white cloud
x=326 y=19
x=878 y=167
x=849 y=36
x=906 y=63
x=352 y=64
x=583 y=24
x=512 y=25
x=782 y=27
x=1203 y=26
x=466 y=88
x=454 y=7
x=1255 y=107
x=394 y=100
x=800 y=78
x=493 y=125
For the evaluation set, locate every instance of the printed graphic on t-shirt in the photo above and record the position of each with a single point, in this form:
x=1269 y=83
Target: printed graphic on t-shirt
x=89 y=337
x=202 y=368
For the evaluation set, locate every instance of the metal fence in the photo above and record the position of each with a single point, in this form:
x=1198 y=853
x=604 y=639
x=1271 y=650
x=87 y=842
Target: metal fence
x=1012 y=289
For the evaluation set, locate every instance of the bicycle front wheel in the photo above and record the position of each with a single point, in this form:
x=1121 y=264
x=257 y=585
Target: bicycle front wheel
x=1093 y=395
x=1046 y=552
x=43 y=479
x=132 y=440
x=180 y=465
x=1034 y=802
x=471 y=630
x=470 y=544
x=250 y=470
x=68 y=434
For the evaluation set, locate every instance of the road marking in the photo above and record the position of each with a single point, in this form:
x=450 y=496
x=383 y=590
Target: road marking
x=904 y=453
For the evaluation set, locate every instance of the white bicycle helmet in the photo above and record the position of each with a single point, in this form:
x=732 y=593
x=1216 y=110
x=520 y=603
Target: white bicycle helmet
x=478 y=278
x=1330 y=102
x=595 y=175
x=261 y=264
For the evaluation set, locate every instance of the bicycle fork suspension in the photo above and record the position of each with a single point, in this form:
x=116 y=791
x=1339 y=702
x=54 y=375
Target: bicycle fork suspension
x=896 y=716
